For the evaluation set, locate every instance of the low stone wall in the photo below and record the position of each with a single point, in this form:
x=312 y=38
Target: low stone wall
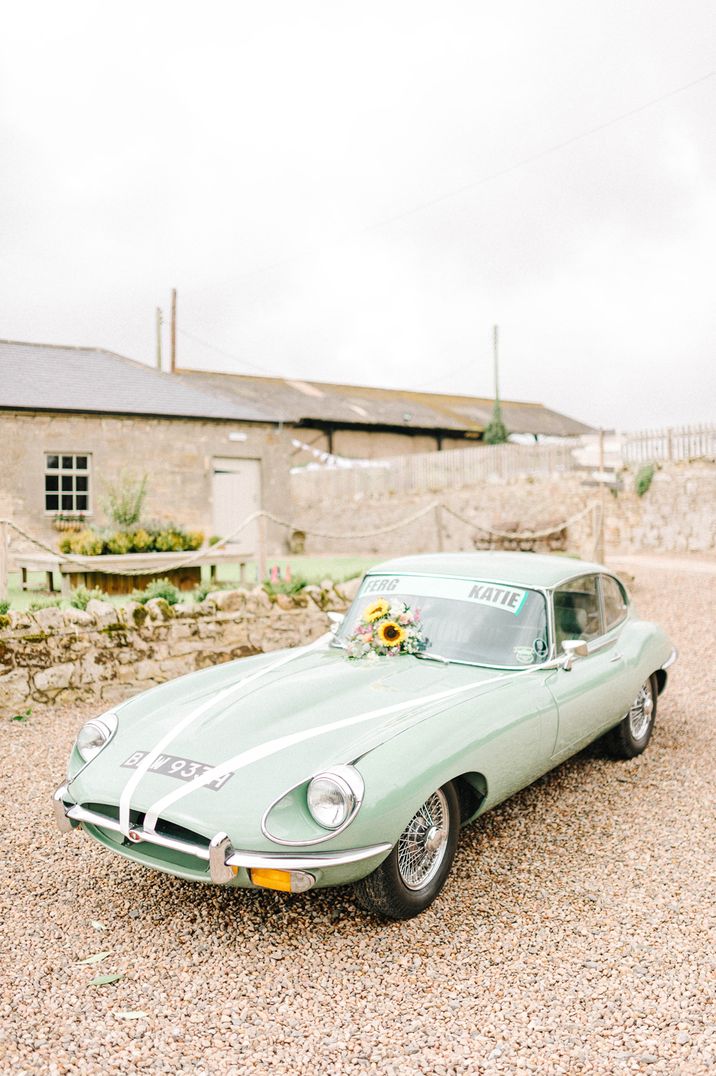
x=677 y=514
x=108 y=653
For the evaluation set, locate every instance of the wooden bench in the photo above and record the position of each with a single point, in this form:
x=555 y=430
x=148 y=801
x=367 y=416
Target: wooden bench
x=156 y=565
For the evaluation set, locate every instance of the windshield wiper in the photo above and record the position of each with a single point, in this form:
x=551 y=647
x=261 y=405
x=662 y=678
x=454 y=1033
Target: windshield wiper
x=428 y=655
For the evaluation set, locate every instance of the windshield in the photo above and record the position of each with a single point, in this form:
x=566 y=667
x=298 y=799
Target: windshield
x=467 y=620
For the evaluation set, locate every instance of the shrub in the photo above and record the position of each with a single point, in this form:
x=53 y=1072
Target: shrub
x=158 y=588
x=125 y=498
x=43 y=603
x=214 y=539
x=86 y=543
x=82 y=596
x=283 y=586
x=120 y=542
x=643 y=478
x=142 y=540
x=4 y=607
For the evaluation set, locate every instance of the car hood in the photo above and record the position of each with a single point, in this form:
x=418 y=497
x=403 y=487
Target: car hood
x=279 y=719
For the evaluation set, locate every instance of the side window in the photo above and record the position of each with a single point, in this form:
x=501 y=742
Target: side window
x=67 y=483
x=577 y=613
x=615 y=602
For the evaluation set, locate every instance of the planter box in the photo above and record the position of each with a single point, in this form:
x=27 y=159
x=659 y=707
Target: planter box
x=99 y=570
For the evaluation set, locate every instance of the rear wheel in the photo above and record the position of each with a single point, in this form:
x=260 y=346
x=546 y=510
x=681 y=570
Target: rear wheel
x=409 y=880
x=632 y=734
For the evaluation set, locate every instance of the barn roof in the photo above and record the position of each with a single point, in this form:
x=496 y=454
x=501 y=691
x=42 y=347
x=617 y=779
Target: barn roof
x=49 y=377
x=310 y=402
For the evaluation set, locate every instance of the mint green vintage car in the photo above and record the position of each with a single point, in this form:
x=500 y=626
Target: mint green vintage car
x=453 y=681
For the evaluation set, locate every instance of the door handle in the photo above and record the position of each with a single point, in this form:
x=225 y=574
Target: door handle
x=616 y=657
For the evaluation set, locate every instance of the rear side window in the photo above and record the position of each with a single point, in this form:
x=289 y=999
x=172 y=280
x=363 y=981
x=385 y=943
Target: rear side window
x=615 y=602
x=577 y=613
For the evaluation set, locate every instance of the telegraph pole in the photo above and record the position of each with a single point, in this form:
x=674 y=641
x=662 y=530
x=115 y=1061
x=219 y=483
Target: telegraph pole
x=495 y=353
x=174 y=331
x=159 y=338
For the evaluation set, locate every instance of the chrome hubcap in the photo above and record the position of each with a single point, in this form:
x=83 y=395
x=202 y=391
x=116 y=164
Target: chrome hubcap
x=423 y=842
x=641 y=712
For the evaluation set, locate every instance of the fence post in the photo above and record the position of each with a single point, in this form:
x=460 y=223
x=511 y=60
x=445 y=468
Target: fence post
x=3 y=561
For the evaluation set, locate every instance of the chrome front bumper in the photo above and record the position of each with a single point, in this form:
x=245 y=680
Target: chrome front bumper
x=222 y=858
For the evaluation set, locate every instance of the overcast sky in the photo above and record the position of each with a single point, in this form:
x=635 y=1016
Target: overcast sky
x=270 y=161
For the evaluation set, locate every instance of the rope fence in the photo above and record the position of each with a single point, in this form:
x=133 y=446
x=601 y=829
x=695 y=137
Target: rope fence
x=199 y=557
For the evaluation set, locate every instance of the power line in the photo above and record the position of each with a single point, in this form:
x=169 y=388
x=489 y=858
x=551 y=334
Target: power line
x=228 y=354
x=488 y=178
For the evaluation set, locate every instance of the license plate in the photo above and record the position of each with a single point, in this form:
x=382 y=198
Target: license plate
x=184 y=769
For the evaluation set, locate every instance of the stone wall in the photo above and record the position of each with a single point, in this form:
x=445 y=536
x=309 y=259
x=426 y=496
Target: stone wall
x=177 y=455
x=677 y=514
x=108 y=653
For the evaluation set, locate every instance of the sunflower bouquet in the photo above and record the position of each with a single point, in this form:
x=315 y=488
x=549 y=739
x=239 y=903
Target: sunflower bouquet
x=385 y=630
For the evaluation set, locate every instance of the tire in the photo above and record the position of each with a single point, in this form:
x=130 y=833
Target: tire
x=409 y=880
x=631 y=736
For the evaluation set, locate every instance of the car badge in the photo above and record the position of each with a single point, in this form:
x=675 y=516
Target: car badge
x=134 y=836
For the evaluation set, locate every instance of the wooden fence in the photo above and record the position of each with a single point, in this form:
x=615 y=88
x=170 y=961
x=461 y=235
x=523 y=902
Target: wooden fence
x=671 y=443
x=430 y=472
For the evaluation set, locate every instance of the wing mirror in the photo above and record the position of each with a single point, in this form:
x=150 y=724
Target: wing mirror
x=336 y=620
x=573 y=648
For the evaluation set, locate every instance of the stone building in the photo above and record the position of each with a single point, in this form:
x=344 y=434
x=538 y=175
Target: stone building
x=215 y=447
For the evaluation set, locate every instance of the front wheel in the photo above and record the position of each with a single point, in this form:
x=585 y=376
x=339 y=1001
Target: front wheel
x=409 y=880
x=632 y=734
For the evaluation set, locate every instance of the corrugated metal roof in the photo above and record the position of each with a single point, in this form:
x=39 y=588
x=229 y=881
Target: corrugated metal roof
x=318 y=401
x=45 y=377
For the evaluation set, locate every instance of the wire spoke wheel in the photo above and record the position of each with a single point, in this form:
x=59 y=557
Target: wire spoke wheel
x=423 y=843
x=641 y=710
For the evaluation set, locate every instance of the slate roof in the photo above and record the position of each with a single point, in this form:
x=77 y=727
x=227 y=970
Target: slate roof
x=45 y=377
x=48 y=377
x=318 y=401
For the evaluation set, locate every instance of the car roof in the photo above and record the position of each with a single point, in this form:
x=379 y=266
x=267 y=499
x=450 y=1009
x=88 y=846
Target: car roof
x=524 y=569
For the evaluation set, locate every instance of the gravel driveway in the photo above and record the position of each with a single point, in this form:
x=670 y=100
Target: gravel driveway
x=576 y=933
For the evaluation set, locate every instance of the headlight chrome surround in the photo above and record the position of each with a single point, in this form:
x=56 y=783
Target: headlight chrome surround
x=331 y=799
x=350 y=787
x=95 y=734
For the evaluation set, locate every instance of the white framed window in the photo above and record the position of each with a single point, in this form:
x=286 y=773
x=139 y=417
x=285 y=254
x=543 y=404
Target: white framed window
x=67 y=483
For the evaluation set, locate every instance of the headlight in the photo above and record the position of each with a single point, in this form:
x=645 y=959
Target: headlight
x=334 y=797
x=95 y=734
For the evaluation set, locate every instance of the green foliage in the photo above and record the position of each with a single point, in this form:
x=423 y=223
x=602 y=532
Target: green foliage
x=148 y=538
x=82 y=596
x=22 y=717
x=158 y=588
x=124 y=500
x=282 y=586
x=4 y=607
x=214 y=539
x=86 y=543
x=44 y=603
x=643 y=478
x=495 y=431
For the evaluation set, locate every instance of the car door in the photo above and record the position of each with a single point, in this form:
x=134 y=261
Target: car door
x=589 y=695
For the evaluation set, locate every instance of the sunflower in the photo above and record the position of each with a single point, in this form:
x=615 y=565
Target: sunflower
x=391 y=634
x=375 y=611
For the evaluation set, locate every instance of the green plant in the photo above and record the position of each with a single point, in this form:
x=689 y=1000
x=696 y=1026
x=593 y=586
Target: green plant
x=283 y=586
x=82 y=596
x=214 y=539
x=125 y=498
x=158 y=588
x=120 y=542
x=4 y=607
x=643 y=478
x=43 y=603
x=85 y=543
x=23 y=716
x=495 y=432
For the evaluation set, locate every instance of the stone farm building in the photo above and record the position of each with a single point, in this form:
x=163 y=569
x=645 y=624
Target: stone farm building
x=215 y=446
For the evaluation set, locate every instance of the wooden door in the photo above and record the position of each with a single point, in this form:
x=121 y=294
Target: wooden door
x=236 y=494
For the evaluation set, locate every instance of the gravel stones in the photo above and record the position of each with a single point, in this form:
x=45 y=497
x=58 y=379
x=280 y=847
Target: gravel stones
x=575 y=934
